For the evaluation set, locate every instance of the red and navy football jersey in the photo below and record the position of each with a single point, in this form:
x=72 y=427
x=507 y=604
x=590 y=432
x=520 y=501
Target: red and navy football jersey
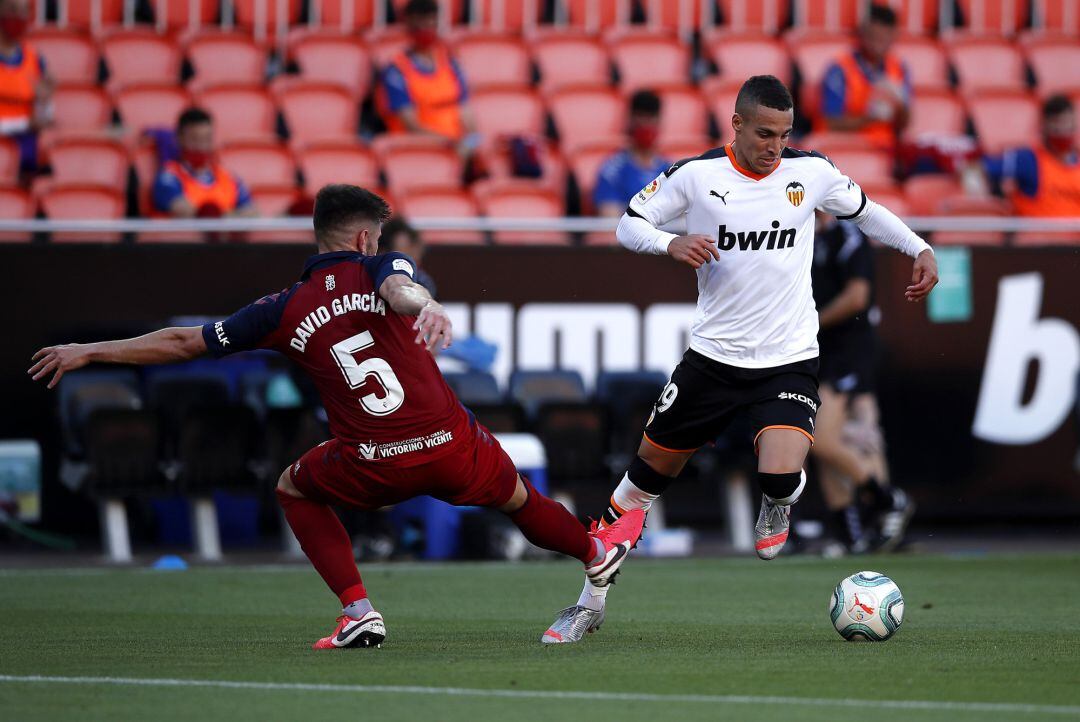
x=382 y=391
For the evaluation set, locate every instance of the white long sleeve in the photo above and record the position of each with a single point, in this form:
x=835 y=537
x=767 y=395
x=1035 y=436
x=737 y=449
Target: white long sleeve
x=881 y=224
x=640 y=236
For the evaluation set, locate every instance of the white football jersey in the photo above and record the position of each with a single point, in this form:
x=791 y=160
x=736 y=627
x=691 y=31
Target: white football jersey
x=755 y=305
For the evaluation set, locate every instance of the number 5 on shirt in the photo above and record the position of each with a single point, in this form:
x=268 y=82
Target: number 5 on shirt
x=357 y=374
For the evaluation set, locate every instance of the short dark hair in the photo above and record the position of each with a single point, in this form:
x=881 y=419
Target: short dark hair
x=420 y=8
x=1056 y=105
x=338 y=206
x=765 y=90
x=645 y=101
x=881 y=14
x=392 y=228
x=192 y=116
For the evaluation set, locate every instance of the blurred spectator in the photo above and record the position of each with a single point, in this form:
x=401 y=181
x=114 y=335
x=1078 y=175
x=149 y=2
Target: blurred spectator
x=25 y=86
x=868 y=90
x=398 y=235
x=631 y=169
x=1043 y=180
x=423 y=89
x=195 y=185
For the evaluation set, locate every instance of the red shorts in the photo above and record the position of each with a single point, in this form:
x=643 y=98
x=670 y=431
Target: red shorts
x=476 y=472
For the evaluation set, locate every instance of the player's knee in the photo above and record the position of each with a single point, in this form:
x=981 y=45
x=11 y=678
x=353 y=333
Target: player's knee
x=667 y=463
x=285 y=484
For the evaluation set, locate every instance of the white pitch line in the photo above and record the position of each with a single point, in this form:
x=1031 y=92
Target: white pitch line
x=990 y=707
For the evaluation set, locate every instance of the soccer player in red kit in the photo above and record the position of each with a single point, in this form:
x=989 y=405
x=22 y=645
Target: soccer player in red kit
x=364 y=332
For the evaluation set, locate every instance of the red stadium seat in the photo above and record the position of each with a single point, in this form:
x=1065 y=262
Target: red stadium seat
x=247 y=13
x=90 y=161
x=586 y=115
x=178 y=15
x=766 y=16
x=585 y=164
x=276 y=201
x=386 y=45
x=1004 y=120
x=566 y=60
x=83 y=15
x=828 y=15
x=865 y=167
x=489 y=60
x=502 y=15
x=497 y=159
x=673 y=15
x=151 y=105
x=987 y=64
x=813 y=56
x=258 y=163
x=677 y=148
x=325 y=163
x=1055 y=62
x=889 y=196
x=917 y=17
x=721 y=102
x=509 y=199
x=226 y=58
x=926 y=62
x=924 y=192
x=739 y=57
x=345 y=16
x=407 y=167
x=318 y=111
x=935 y=195
x=829 y=141
x=441 y=202
x=144 y=159
x=81 y=108
x=338 y=59
x=239 y=112
x=15 y=205
x=683 y=113
x=70 y=56
x=994 y=17
x=960 y=205
x=650 y=61
x=936 y=112
x=508 y=111
x=82 y=202
x=1058 y=16
x=140 y=56
x=596 y=14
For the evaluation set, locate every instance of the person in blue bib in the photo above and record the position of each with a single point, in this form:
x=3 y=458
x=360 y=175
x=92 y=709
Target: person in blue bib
x=628 y=171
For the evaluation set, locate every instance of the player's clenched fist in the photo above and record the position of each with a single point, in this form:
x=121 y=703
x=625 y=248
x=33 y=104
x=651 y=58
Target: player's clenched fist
x=923 y=277
x=433 y=326
x=697 y=250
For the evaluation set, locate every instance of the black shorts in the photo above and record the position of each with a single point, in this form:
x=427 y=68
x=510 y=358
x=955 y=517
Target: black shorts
x=705 y=396
x=850 y=367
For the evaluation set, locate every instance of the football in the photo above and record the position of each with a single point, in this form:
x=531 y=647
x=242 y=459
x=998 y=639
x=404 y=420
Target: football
x=867 y=606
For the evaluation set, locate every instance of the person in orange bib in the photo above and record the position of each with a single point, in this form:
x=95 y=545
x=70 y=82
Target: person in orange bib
x=1043 y=180
x=25 y=86
x=868 y=90
x=423 y=90
x=195 y=185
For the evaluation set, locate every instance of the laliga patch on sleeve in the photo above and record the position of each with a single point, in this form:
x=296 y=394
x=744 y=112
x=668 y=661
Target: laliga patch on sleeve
x=650 y=190
x=400 y=264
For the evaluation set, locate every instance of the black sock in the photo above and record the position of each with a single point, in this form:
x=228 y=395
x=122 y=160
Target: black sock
x=779 y=487
x=848 y=524
x=875 y=495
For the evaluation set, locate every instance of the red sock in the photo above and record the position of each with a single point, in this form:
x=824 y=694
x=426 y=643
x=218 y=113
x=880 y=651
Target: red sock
x=547 y=524
x=327 y=545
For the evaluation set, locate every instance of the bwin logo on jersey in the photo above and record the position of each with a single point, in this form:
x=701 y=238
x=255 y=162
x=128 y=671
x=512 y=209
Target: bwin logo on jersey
x=753 y=240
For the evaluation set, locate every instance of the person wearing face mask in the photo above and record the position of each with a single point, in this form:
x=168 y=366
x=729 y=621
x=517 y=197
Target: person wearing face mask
x=25 y=86
x=1043 y=180
x=868 y=90
x=195 y=185
x=423 y=89
x=629 y=170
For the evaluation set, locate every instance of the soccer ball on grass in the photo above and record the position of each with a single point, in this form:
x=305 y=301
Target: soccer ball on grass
x=867 y=607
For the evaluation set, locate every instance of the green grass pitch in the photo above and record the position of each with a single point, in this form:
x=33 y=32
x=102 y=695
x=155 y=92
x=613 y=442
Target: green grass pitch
x=984 y=638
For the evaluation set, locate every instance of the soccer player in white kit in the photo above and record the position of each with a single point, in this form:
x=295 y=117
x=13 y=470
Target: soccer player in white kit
x=749 y=209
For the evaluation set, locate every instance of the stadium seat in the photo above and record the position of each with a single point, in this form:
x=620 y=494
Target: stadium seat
x=144 y=160
x=721 y=103
x=318 y=112
x=865 y=167
x=502 y=112
x=122 y=454
x=441 y=202
x=649 y=61
x=240 y=112
x=497 y=157
x=276 y=200
x=813 y=55
x=923 y=193
x=683 y=113
x=340 y=60
x=1054 y=62
x=89 y=161
x=566 y=60
x=1058 y=16
x=70 y=56
x=937 y=112
x=334 y=162
x=758 y=16
x=739 y=57
x=248 y=17
x=15 y=205
x=259 y=163
x=140 y=56
x=214 y=448
x=585 y=164
x=151 y=106
x=432 y=163
x=673 y=16
x=386 y=44
x=533 y=388
x=890 y=196
x=994 y=17
x=345 y=16
x=829 y=141
x=1004 y=120
x=575 y=436
x=221 y=57
x=94 y=16
x=593 y=15
x=917 y=17
x=983 y=64
x=506 y=418
x=177 y=391
x=926 y=62
x=179 y=16
x=79 y=202
x=833 y=16
x=474 y=387
x=82 y=108
x=493 y=60
x=677 y=148
x=586 y=115
x=960 y=205
x=521 y=199
x=83 y=392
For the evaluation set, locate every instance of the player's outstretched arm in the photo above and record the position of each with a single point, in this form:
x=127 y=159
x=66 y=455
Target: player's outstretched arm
x=408 y=298
x=169 y=345
x=880 y=223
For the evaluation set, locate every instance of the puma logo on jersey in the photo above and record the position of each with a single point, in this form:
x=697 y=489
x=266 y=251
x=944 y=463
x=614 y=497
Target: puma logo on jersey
x=721 y=197
x=754 y=240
